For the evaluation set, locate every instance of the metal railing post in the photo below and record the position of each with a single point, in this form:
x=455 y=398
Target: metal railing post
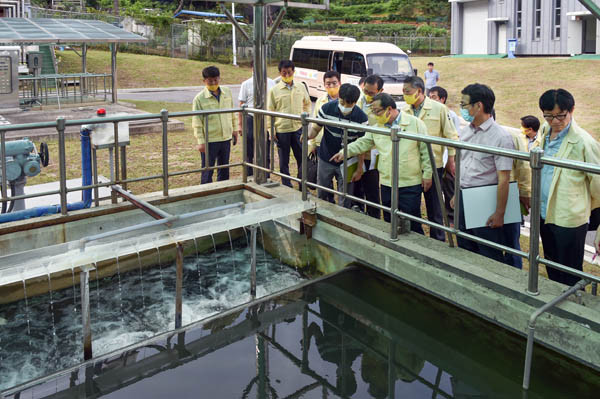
x=206 y=154
x=394 y=194
x=244 y=145
x=456 y=217
x=253 y=261
x=304 y=156
x=60 y=127
x=534 y=235
x=179 y=286
x=85 y=311
x=164 y=117
x=438 y=188
x=3 y=162
x=271 y=148
x=345 y=165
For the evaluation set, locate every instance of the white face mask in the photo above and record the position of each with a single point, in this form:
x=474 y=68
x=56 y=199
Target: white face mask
x=345 y=110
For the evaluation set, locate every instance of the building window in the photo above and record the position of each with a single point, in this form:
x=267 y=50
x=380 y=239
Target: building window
x=556 y=21
x=519 y=17
x=537 y=15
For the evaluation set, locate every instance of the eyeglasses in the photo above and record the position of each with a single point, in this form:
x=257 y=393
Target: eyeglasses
x=378 y=111
x=559 y=117
x=464 y=105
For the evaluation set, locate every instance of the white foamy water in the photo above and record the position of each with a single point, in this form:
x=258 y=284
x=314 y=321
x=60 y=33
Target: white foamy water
x=140 y=306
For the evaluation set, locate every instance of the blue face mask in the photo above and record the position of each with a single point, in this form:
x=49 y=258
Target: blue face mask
x=465 y=115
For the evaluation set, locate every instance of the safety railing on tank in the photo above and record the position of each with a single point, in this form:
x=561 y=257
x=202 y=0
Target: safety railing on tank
x=536 y=159
x=64 y=88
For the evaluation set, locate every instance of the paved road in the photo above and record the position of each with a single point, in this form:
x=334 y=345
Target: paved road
x=169 y=94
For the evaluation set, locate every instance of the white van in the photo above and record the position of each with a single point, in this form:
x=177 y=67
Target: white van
x=315 y=55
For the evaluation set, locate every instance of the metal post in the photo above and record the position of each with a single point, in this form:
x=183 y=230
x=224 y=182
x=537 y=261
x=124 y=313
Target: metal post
x=116 y=153
x=305 y=155
x=124 y=166
x=535 y=163
x=60 y=127
x=437 y=186
x=179 y=286
x=85 y=311
x=113 y=71
x=164 y=117
x=3 y=162
x=260 y=89
x=345 y=163
x=253 y=261
x=83 y=68
x=457 y=191
x=233 y=44
x=394 y=205
x=272 y=144
x=244 y=145
x=206 y=151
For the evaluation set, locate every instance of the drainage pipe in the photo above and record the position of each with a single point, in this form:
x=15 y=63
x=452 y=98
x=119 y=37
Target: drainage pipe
x=531 y=327
x=86 y=178
x=145 y=206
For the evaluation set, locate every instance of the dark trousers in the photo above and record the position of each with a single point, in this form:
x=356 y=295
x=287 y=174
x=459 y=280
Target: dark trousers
x=368 y=188
x=487 y=233
x=217 y=152
x=448 y=192
x=409 y=201
x=563 y=245
x=285 y=142
x=250 y=144
x=434 y=210
x=512 y=233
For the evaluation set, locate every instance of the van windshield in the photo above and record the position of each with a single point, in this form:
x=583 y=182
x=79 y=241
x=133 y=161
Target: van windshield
x=389 y=64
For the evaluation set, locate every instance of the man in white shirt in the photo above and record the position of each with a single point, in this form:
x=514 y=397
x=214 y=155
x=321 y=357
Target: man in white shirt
x=246 y=97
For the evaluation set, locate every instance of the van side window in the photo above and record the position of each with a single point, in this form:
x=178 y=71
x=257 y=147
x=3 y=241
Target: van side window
x=353 y=64
x=311 y=59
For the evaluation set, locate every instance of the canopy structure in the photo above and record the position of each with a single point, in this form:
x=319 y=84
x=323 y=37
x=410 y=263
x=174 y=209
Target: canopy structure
x=58 y=31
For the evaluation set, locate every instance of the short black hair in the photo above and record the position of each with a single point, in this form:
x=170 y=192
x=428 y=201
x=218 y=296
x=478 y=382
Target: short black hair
x=332 y=74
x=362 y=80
x=283 y=64
x=211 y=72
x=374 y=80
x=415 y=82
x=349 y=93
x=478 y=92
x=560 y=97
x=531 y=121
x=430 y=63
x=441 y=92
x=386 y=100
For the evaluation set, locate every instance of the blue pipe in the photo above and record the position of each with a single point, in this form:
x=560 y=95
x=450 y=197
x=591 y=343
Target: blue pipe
x=86 y=180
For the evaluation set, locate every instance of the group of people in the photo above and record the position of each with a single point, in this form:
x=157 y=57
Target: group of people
x=567 y=196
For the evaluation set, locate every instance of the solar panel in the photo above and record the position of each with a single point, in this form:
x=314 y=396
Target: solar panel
x=46 y=30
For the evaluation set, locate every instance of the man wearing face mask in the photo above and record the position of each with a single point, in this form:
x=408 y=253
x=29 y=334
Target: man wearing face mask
x=439 y=124
x=221 y=127
x=367 y=187
x=331 y=81
x=341 y=110
x=567 y=196
x=288 y=98
x=414 y=173
x=482 y=169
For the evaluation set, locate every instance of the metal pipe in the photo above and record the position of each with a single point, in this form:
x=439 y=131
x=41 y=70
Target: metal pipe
x=206 y=144
x=244 y=147
x=534 y=234
x=277 y=22
x=164 y=117
x=83 y=241
x=437 y=186
x=3 y=186
x=350 y=197
x=113 y=71
x=233 y=21
x=304 y=156
x=345 y=163
x=531 y=327
x=260 y=89
x=394 y=195
x=179 y=286
x=60 y=127
x=253 y=261
x=124 y=167
x=85 y=311
x=456 y=217
x=147 y=207
x=271 y=142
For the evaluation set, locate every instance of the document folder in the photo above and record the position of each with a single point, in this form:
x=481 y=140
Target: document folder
x=480 y=203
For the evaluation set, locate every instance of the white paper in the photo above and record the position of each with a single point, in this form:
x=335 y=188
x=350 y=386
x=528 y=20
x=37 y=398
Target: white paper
x=480 y=204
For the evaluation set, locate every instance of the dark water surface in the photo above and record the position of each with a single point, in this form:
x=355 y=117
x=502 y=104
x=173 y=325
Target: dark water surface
x=357 y=334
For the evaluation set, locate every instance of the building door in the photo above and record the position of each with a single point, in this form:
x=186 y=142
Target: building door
x=575 y=36
x=589 y=35
x=502 y=39
x=475 y=27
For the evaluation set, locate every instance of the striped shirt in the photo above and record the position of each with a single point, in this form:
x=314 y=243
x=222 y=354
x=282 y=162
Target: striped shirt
x=333 y=137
